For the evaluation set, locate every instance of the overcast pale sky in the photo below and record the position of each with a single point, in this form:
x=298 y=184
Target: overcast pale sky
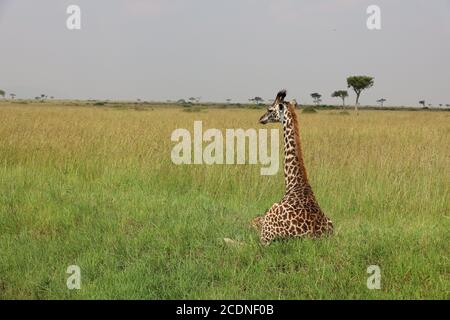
x=219 y=49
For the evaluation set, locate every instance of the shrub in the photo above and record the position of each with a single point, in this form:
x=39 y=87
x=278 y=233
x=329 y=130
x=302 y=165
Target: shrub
x=256 y=106
x=194 y=109
x=309 y=110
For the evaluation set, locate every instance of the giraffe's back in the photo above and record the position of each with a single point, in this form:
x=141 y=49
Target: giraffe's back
x=294 y=217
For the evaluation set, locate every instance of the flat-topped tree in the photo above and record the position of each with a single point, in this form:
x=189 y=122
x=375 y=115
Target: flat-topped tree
x=316 y=97
x=192 y=99
x=422 y=102
x=257 y=100
x=381 y=101
x=359 y=83
x=2 y=93
x=340 y=94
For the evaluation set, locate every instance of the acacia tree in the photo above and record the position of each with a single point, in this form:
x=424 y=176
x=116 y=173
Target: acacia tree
x=381 y=101
x=192 y=99
x=12 y=95
x=257 y=100
x=422 y=102
x=2 y=93
x=316 y=97
x=340 y=94
x=358 y=84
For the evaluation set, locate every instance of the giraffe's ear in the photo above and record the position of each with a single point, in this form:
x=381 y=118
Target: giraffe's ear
x=280 y=96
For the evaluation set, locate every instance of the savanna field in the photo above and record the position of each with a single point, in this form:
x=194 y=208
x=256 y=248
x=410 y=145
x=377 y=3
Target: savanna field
x=95 y=187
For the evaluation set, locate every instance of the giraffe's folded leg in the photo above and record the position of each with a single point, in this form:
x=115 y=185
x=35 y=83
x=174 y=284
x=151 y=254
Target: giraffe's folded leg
x=268 y=233
x=257 y=223
x=266 y=238
x=324 y=227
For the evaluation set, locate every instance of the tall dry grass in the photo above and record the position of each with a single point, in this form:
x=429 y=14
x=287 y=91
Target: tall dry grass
x=96 y=187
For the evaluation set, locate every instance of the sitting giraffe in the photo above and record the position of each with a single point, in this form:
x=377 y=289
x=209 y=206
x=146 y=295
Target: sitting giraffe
x=298 y=213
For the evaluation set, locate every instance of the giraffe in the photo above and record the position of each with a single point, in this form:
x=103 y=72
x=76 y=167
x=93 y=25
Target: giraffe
x=298 y=213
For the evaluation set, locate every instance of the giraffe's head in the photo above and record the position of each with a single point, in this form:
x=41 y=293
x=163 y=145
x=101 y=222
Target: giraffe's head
x=277 y=111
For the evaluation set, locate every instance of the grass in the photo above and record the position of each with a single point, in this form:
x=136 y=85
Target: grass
x=96 y=187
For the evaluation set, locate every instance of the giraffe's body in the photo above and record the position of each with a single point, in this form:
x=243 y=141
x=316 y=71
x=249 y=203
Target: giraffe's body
x=298 y=213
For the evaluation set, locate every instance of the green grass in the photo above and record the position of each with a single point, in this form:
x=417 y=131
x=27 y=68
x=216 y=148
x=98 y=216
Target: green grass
x=96 y=188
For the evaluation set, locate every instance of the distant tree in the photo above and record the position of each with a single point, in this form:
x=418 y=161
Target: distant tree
x=12 y=95
x=422 y=102
x=52 y=97
x=228 y=100
x=181 y=101
x=2 y=93
x=316 y=97
x=340 y=94
x=258 y=100
x=358 y=84
x=381 y=101
x=192 y=99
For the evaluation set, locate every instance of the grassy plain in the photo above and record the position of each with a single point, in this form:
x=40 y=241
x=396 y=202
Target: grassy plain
x=95 y=187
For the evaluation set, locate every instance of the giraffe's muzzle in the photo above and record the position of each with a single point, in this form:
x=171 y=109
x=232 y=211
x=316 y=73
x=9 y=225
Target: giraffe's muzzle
x=264 y=119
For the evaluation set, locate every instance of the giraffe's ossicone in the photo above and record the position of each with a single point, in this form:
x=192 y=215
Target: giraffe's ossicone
x=298 y=213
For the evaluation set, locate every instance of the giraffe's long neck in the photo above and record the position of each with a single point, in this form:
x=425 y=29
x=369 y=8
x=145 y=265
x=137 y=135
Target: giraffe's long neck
x=295 y=176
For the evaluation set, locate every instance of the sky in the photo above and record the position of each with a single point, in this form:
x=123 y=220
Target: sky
x=158 y=50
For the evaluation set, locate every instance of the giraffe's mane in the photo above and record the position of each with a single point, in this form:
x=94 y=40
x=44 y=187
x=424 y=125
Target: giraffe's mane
x=298 y=146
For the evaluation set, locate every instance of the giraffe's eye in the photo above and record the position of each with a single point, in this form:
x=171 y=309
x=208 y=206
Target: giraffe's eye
x=281 y=106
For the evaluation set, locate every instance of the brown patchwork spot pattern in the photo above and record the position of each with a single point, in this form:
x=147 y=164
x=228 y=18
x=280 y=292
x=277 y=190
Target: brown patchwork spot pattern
x=297 y=214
